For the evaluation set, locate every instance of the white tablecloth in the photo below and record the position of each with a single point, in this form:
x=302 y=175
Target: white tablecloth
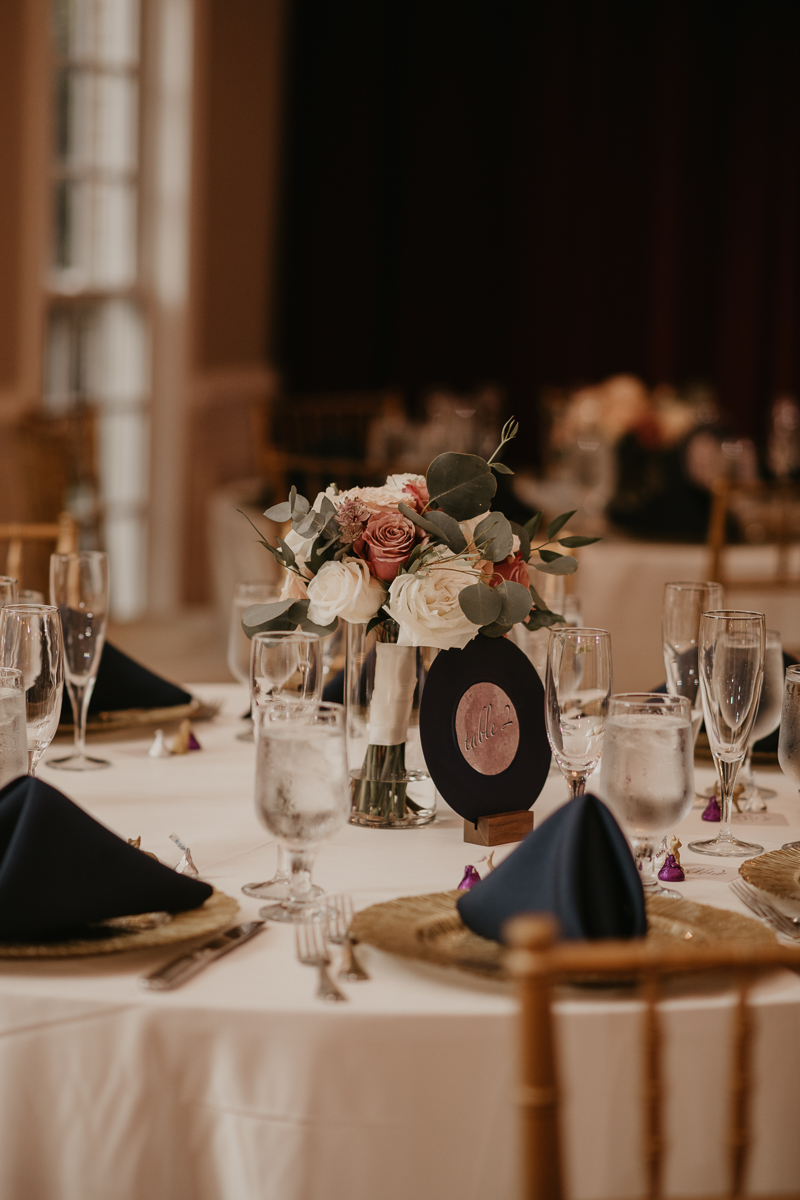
x=242 y=1086
x=621 y=586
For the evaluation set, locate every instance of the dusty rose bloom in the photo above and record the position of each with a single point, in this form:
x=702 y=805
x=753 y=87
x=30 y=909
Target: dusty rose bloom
x=351 y=518
x=514 y=569
x=389 y=539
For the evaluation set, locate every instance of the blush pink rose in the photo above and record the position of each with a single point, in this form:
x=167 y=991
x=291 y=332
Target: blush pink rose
x=418 y=493
x=388 y=541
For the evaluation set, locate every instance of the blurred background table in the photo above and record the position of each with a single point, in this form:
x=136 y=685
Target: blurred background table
x=242 y=1086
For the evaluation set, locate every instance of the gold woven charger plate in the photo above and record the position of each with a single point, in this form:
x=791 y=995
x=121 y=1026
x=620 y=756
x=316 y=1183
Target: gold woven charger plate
x=777 y=872
x=429 y=928
x=131 y=718
x=215 y=914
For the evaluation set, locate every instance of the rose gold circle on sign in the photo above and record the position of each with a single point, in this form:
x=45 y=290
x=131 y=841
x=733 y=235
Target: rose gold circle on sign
x=487 y=728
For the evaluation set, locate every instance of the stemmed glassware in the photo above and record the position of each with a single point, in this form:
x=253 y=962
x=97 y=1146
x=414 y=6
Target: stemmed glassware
x=31 y=641
x=13 y=740
x=244 y=595
x=302 y=791
x=79 y=589
x=767 y=720
x=578 y=684
x=8 y=590
x=731 y=661
x=647 y=773
x=789 y=739
x=680 y=629
x=285 y=668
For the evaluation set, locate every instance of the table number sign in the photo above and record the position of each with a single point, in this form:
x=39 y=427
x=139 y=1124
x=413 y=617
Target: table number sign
x=483 y=736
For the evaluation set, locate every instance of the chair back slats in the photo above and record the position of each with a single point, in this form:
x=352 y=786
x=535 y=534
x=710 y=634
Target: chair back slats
x=779 y=507
x=740 y=1086
x=64 y=533
x=538 y=962
x=650 y=991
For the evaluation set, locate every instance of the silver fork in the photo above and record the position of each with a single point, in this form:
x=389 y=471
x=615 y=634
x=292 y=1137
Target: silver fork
x=777 y=920
x=312 y=952
x=338 y=918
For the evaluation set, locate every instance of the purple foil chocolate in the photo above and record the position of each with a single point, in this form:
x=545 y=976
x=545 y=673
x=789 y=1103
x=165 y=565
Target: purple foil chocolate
x=471 y=877
x=193 y=742
x=711 y=812
x=672 y=871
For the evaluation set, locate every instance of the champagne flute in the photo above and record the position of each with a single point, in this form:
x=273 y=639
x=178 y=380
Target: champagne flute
x=680 y=628
x=647 y=773
x=731 y=660
x=285 y=667
x=244 y=595
x=13 y=740
x=79 y=589
x=578 y=684
x=789 y=739
x=767 y=720
x=31 y=640
x=8 y=590
x=302 y=791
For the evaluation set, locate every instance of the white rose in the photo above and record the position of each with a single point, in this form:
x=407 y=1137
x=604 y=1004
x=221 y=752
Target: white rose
x=426 y=608
x=377 y=499
x=344 y=589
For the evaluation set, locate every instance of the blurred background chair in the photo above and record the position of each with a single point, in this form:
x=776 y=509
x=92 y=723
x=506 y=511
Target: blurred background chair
x=761 y=513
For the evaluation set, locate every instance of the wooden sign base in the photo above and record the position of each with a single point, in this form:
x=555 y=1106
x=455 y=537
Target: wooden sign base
x=499 y=829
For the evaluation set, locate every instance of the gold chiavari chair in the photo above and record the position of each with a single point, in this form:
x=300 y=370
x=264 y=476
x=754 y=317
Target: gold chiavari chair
x=63 y=533
x=539 y=961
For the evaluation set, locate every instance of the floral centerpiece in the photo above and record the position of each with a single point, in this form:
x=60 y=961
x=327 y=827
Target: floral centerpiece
x=424 y=562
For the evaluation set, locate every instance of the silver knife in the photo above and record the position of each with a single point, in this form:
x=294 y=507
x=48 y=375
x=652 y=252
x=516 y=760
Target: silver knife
x=188 y=965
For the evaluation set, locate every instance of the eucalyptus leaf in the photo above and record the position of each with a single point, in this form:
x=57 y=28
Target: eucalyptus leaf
x=542 y=620
x=565 y=564
x=493 y=537
x=480 y=603
x=421 y=522
x=559 y=522
x=288 y=553
x=279 y=513
x=524 y=541
x=301 y=505
x=260 y=616
x=533 y=524
x=380 y=616
x=501 y=468
x=549 y=555
x=496 y=629
x=299 y=614
x=327 y=508
x=450 y=530
x=516 y=602
x=537 y=600
x=322 y=551
x=572 y=543
x=462 y=485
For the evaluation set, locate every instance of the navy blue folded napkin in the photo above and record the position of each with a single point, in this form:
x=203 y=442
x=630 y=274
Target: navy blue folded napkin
x=124 y=683
x=60 y=869
x=578 y=866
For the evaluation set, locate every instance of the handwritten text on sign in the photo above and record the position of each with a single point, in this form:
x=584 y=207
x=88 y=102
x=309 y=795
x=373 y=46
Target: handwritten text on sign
x=487 y=728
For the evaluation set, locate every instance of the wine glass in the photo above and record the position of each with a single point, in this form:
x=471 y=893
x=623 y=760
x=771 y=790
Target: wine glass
x=302 y=791
x=8 y=590
x=285 y=667
x=79 y=589
x=767 y=720
x=680 y=628
x=31 y=640
x=577 y=688
x=731 y=660
x=647 y=773
x=244 y=595
x=13 y=739
x=789 y=739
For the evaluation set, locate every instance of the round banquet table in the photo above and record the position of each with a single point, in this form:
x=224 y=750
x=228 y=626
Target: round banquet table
x=242 y=1086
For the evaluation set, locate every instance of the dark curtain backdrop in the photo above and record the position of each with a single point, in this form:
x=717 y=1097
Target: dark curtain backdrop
x=536 y=192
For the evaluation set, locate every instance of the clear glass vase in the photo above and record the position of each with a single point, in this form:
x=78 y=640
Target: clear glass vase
x=390 y=786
